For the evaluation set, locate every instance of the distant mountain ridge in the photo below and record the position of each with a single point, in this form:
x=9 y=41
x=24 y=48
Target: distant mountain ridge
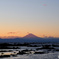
x=29 y=38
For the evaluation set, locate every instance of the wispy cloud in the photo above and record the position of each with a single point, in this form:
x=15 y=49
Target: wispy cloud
x=45 y=36
x=12 y=32
x=48 y=36
x=44 y=4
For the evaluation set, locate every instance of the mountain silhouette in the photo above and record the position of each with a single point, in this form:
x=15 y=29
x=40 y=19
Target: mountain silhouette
x=30 y=38
x=30 y=35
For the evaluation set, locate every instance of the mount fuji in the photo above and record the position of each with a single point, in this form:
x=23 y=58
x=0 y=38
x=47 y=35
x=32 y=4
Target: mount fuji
x=30 y=35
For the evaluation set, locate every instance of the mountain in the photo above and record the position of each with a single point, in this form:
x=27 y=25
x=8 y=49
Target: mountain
x=30 y=35
x=30 y=38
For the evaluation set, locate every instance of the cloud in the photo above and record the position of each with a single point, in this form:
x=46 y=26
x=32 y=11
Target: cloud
x=48 y=36
x=44 y=4
x=12 y=33
x=45 y=36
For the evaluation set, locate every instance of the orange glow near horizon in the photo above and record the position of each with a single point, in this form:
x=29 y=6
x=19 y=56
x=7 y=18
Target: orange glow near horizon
x=22 y=34
x=19 y=17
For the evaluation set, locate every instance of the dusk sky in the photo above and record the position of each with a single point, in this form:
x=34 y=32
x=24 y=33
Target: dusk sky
x=20 y=17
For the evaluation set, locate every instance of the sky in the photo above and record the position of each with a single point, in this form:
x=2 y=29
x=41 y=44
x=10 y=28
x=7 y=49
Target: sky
x=20 y=17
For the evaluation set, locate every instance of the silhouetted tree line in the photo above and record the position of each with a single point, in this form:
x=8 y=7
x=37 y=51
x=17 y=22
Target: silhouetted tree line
x=7 y=45
x=14 y=44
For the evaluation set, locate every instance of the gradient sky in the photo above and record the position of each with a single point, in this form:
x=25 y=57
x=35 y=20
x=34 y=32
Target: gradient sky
x=20 y=17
